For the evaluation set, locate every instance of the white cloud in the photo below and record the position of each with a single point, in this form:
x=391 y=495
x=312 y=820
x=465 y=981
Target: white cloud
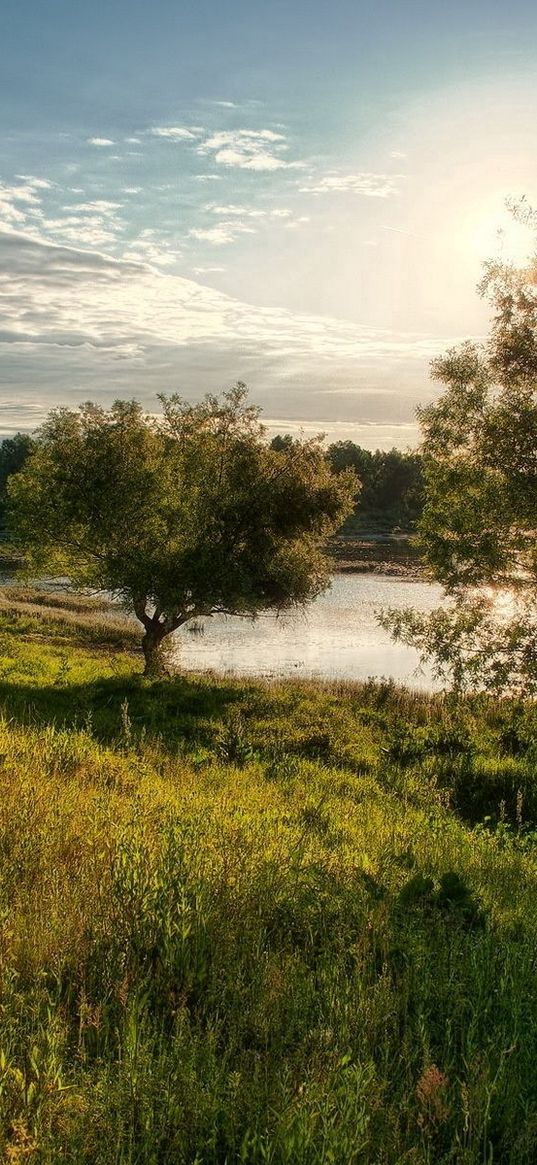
x=8 y=212
x=293 y=223
x=370 y=435
x=24 y=193
x=11 y=212
x=100 y=142
x=36 y=183
x=232 y=210
x=247 y=149
x=176 y=133
x=221 y=234
x=97 y=206
x=370 y=185
x=145 y=251
x=83 y=231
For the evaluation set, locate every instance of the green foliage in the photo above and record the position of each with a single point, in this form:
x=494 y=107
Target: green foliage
x=391 y=494
x=453 y=898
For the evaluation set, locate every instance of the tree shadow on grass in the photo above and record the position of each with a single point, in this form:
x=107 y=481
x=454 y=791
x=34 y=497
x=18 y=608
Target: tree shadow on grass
x=182 y=709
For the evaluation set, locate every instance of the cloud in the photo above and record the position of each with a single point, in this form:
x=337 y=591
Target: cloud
x=36 y=183
x=72 y=317
x=83 y=231
x=293 y=223
x=100 y=142
x=246 y=149
x=369 y=435
x=148 y=247
x=26 y=193
x=221 y=234
x=232 y=210
x=8 y=212
x=96 y=206
x=86 y=224
x=21 y=204
x=176 y=133
x=370 y=185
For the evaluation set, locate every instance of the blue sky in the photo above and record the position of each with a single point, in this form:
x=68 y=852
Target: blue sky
x=295 y=194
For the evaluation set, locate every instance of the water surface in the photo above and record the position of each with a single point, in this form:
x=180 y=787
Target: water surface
x=338 y=637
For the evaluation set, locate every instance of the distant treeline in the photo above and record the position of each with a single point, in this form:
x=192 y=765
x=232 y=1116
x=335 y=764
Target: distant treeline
x=13 y=453
x=391 y=496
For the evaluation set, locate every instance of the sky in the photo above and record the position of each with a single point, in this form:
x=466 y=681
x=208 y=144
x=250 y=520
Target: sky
x=295 y=194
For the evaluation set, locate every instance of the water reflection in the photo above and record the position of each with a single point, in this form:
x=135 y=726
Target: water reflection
x=336 y=638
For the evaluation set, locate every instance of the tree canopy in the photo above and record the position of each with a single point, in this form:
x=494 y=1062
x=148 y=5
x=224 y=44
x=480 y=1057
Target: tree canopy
x=478 y=527
x=180 y=515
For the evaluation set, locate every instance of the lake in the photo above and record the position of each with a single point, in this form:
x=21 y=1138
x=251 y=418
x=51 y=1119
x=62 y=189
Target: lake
x=338 y=636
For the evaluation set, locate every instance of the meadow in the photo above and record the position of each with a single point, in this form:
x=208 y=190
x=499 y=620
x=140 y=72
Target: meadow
x=252 y=922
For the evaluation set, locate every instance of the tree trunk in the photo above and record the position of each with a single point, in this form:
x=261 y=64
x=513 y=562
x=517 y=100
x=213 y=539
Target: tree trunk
x=156 y=652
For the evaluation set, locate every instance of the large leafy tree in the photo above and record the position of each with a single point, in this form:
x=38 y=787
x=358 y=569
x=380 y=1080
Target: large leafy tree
x=478 y=531
x=180 y=515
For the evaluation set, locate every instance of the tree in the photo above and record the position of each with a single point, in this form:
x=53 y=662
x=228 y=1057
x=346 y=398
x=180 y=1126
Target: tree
x=181 y=516
x=478 y=527
x=282 y=442
x=391 y=484
x=398 y=486
x=14 y=452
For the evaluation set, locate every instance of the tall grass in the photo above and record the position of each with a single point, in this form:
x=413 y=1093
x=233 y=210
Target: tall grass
x=262 y=923
x=32 y=611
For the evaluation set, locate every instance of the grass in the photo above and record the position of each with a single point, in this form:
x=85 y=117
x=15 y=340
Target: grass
x=248 y=922
x=64 y=615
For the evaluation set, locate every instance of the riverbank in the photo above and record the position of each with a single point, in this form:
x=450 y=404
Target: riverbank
x=259 y=921
x=396 y=556
x=368 y=553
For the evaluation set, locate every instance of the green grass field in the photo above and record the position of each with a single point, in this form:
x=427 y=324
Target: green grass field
x=242 y=922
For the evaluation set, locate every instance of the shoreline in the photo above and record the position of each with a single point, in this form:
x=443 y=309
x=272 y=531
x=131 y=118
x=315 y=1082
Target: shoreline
x=395 y=557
